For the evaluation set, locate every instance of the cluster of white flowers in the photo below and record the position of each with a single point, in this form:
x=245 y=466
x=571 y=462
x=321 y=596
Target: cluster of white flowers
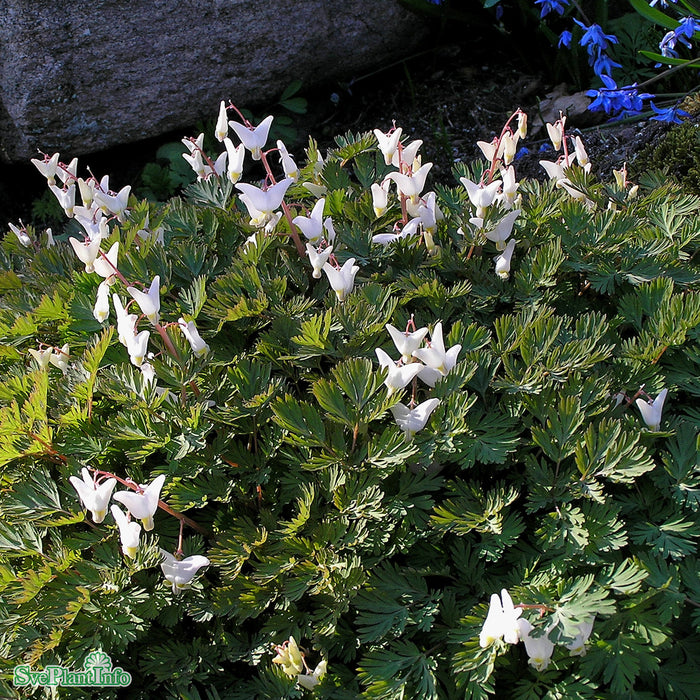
x=504 y=621
x=100 y=205
x=141 y=505
x=557 y=171
x=429 y=364
x=49 y=355
x=409 y=180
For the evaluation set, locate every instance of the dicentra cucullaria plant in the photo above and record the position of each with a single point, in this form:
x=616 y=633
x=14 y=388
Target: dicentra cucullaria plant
x=346 y=411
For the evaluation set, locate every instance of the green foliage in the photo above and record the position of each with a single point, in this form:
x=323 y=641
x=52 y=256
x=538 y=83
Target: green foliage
x=677 y=152
x=376 y=547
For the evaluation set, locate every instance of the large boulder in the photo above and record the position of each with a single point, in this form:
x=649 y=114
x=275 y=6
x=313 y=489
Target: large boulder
x=85 y=75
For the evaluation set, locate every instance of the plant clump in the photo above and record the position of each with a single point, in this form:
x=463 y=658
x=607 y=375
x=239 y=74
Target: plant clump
x=333 y=405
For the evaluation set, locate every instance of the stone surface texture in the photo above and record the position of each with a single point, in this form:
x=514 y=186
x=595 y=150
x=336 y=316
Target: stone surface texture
x=81 y=76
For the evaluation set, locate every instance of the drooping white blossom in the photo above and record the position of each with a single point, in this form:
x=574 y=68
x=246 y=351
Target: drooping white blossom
x=398 y=376
x=143 y=505
x=406 y=343
x=149 y=302
x=651 y=410
x=189 y=330
x=180 y=572
x=94 y=496
x=253 y=139
x=501 y=621
x=436 y=356
x=411 y=420
x=342 y=280
x=539 y=649
x=129 y=531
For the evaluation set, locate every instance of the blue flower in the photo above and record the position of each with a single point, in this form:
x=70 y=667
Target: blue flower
x=683 y=32
x=612 y=99
x=673 y=115
x=603 y=65
x=595 y=39
x=548 y=6
x=686 y=28
x=564 y=39
x=523 y=151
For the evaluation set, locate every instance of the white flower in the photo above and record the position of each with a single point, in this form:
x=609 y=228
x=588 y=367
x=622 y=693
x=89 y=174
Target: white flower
x=311 y=680
x=481 y=197
x=66 y=198
x=488 y=149
x=235 y=160
x=149 y=302
x=501 y=231
x=555 y=171
x=651 y=410
x=143 y=505
x=510 y=187
x=429 y=213
x=435 y=356
x=288 y=164
x=398 y=377
x=181 y=572
x=193 y=145
x=68 y=171
x=412 y=228
x=539 y=649
x=219 y=166
x=253 y=139
x=501 y=621
x=577 y=647
x=196 y=163
x=379 y=197
x=137 y=347
x=189 y=330
x=47 y=167
x=556 y=133
x=87 y=252
x=581 y=155
x=94 y=497
x=318 y=258
x=289 y=657
x=261 y=204
x=129 y=531
x=312 y=226
x=411 y=185
x=503 y=260
x=411 y=420
x=126 y=323
x=105 y=264
x=114 y=204
x=406 y=343
x=96 y=227
x=408 y=155
x=342 y=281
x=221 y=130
x=60 y=358
x=42 y=357
x=522 y=125
x=508 y=147
x=21 y=234
x=388 y=144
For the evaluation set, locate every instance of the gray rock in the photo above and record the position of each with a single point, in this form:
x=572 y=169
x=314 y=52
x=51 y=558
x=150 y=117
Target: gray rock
x=82 y=76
